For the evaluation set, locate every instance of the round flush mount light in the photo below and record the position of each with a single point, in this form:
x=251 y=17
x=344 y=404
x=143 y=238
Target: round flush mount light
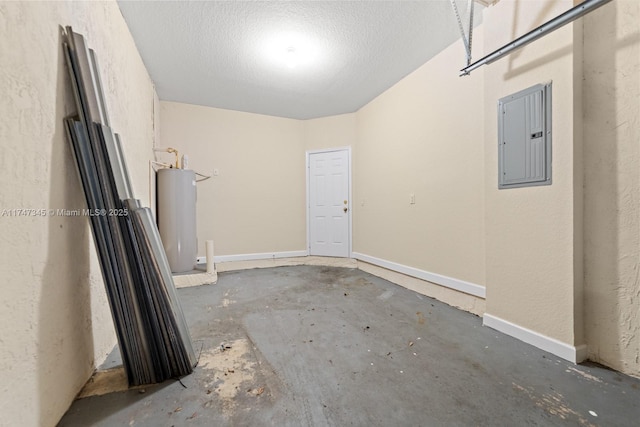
x=291 y=58
x=290 y=50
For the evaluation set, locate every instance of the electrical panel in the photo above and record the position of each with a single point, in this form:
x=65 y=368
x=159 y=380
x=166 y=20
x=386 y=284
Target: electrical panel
x=524 y=138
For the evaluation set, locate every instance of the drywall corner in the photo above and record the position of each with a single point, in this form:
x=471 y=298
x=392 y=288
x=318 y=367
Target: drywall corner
x=530 y=238
x=418 y=170
x=578 y=184
x=255 y=203
x=330 y=132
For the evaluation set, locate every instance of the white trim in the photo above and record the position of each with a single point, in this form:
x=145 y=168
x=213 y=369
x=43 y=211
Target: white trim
x=266 y=255
x=307 y=211
x=351 y=202
x=438 y=279
x=568 y=352
x=329 y=150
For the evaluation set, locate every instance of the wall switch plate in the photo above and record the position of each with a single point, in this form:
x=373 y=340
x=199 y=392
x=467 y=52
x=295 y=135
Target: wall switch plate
x=216 y=172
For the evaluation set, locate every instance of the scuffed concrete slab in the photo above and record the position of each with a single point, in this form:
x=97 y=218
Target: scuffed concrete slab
x=315 y=346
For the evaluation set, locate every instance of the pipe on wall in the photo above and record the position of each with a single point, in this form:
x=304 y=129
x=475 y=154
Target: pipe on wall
x=544 y=29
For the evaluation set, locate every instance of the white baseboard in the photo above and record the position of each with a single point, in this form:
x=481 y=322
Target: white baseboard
x=565 y=351
x=447 y=282
x=253 y=257
x=575 y=354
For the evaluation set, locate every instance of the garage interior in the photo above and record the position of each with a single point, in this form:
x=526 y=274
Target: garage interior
x=529 y=294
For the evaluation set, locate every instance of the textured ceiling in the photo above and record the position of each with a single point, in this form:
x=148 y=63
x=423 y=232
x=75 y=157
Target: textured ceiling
x=233 y=54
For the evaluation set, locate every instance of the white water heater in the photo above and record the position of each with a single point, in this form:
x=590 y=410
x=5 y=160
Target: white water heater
x=176 y=200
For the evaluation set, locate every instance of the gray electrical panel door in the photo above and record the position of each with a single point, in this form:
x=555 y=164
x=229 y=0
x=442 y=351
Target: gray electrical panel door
x=524 y=138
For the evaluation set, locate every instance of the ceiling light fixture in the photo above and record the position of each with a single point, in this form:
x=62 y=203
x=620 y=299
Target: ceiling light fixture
x=292 y=57
x=287 y=51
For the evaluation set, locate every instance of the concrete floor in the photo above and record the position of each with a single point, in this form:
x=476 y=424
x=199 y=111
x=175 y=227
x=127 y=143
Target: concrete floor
x=318 y=346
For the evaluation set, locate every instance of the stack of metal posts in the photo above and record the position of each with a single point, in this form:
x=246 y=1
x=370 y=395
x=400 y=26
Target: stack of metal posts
x=152 y=332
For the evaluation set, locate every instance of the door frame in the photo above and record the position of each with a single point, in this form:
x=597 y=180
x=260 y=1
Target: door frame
x=350 y=205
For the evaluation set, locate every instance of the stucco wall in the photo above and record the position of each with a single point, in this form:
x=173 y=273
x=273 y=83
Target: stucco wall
x=424 y=136
x=55 y=318
x=257 y=202
x=530 y=246
x=612 y=184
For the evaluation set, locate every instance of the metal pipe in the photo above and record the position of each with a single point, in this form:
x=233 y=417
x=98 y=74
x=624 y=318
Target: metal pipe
x=169 y=150
x=544 y=29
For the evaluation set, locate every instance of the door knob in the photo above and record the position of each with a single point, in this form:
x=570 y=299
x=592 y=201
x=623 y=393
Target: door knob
x=345 y=209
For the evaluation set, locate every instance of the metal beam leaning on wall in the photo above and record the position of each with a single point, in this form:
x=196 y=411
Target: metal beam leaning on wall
x=155 y=291
x=150 y=325
x=131 y=275
x=134 y=354
x=175 y=332
x=79 y=136
x=150 y=344
x=102 y=106
x=84 y=160
x=147 y=298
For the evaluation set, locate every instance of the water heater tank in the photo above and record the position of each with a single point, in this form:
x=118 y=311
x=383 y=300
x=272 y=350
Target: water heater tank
x=176 y=198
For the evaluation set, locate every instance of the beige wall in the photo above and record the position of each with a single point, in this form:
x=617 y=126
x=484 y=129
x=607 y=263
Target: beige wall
x=330 y=132
x=424 y=136
x=612 y=184
x=257 y=202
x=529 y=231
x=554 y=259
x=536 y=245
x=55 y=318
x=441 y=228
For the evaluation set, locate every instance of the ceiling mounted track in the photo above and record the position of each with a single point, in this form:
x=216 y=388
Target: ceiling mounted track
x=544 y=29
x=466 y=39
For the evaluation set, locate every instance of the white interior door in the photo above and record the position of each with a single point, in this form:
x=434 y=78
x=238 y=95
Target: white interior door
x=329 y=205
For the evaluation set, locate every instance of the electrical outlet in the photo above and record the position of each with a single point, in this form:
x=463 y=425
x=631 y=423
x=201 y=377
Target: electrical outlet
x=412 y=199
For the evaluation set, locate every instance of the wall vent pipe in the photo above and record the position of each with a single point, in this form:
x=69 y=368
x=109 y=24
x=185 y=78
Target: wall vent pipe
x=544 y=29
